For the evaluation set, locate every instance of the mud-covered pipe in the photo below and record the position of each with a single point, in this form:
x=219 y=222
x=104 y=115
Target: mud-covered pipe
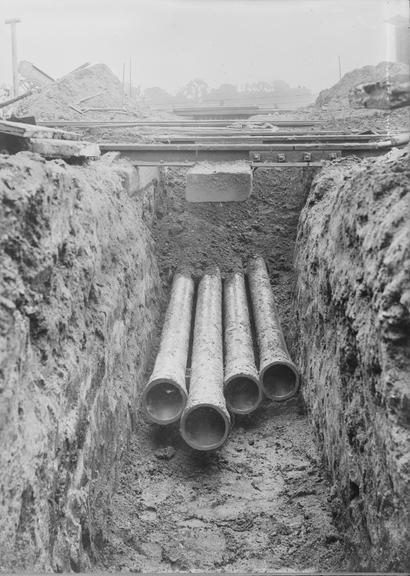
x=278 y=375
x=241 y=384
x=165 y=395
x=205 y=421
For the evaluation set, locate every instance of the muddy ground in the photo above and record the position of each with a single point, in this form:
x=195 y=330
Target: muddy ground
x=262 y=502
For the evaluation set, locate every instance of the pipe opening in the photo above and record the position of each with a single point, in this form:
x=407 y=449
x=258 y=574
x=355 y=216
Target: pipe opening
x=164 y=402
x=242 y=395
x=279 y=382
x=205 y=428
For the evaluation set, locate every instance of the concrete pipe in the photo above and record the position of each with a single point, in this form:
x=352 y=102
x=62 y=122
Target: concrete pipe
x=205 y=421
x=165 y=395
x=278 y=375
x=242 y=387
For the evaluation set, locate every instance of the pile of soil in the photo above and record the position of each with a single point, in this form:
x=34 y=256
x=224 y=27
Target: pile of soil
x=338 y=95
x=262 y=501
x=53 y=102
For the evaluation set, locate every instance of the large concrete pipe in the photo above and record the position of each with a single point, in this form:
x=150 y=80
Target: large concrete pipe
x=165 y=395
x=278 y=375
x=205 y=421
x=242 y=388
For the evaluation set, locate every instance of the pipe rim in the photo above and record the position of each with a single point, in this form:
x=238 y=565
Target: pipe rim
x=248 y=376
x=280 y=397
x=215 y=445
x=154 y=383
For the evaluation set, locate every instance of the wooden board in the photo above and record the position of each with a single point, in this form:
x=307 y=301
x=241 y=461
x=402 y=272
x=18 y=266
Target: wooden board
x=65 y=149
x=34 y=131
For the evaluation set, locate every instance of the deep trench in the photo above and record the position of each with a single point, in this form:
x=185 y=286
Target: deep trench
x=263 y=501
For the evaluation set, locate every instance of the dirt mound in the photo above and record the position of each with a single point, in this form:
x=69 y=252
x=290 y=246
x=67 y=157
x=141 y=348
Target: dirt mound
x=338 y=95
x=71 y=97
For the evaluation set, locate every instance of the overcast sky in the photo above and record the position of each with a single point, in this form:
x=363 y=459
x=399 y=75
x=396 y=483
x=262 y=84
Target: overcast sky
x=171 y=41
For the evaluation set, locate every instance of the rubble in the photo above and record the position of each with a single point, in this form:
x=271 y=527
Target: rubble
x=338 y=95
x=71 y=97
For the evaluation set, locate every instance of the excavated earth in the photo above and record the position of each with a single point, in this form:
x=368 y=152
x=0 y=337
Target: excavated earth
x=353 y=302
x=88 y=484
x=263 y=501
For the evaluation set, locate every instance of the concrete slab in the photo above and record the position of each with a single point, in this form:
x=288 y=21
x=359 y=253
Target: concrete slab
x=219 y=182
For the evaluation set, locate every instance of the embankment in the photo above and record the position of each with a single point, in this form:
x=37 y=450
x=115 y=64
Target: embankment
x=353 y=301
x=79 y=300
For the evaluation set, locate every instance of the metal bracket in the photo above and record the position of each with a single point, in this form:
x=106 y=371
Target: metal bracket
x=294 y=156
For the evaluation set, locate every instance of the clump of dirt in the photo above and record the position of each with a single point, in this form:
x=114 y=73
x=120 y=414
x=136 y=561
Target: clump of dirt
x=63 y=99
x=338 y=95
x=262 y=502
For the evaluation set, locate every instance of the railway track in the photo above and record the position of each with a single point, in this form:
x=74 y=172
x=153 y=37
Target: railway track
x=293 y=151
x=172 y=123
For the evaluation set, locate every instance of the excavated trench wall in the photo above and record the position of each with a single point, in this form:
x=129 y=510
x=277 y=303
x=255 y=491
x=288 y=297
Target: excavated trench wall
x=353 y=303
x=79 y=300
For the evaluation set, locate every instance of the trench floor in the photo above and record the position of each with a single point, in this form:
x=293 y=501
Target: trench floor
x=262 y=502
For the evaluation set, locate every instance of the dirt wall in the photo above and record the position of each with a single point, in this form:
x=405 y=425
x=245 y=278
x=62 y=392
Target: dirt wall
x=353 y=303
x=78 y=303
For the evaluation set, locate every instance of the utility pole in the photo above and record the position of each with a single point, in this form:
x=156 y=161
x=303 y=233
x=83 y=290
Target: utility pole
x=130 y=77
x=340 y=68
x=13 y=22
x=123 y=83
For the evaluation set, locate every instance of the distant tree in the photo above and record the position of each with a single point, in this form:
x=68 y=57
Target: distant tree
x=223 y=92
x=157 y=95
x=195 y=90
x=280 y=86
x=262 y=86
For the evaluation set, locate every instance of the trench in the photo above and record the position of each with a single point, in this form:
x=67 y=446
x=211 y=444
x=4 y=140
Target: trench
x=89 y=254
x=263 y=501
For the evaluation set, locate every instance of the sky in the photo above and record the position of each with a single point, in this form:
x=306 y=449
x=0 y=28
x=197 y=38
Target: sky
x=168 y=42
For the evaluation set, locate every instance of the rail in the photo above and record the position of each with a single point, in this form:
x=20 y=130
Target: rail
x=283 y=152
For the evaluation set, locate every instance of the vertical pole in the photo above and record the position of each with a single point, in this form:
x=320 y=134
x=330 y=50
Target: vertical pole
x=130 y=77
x=340 y=68
x=123 y=82
x=13 y=22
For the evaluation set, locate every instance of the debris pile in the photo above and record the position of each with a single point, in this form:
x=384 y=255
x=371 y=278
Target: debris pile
x=88 y=93
x=383 y=95
x=337 y=96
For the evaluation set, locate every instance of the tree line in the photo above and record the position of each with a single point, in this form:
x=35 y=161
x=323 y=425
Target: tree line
x=197 y=91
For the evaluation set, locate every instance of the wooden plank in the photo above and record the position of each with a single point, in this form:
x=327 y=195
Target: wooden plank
x=34 y=131
x=51 y=148
x=15 y=99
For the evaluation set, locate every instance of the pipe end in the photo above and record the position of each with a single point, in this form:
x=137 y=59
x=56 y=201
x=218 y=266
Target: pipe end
x=163 y=401
x=280 y=380
x=243 y=394
x=205 y=427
